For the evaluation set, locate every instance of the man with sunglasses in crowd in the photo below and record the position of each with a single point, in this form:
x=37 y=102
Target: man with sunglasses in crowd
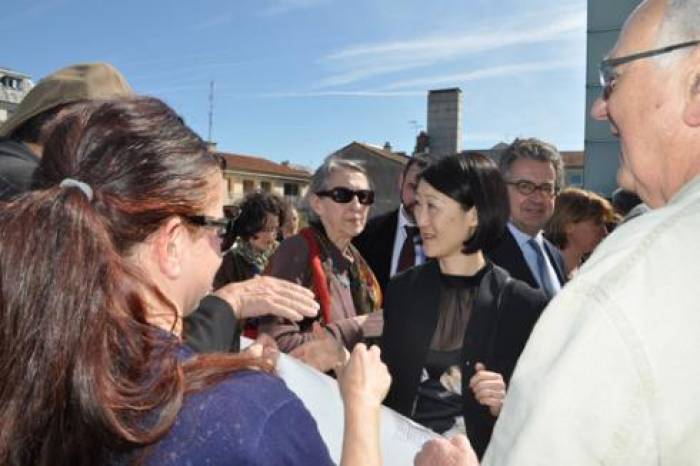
x=610 y=373
x=534 y=174
x=390 y=243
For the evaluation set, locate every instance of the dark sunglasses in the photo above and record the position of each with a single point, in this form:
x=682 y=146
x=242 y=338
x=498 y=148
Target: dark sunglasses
x=526 y=187
x=607 y=72
x=345 y=195
x=224 y=226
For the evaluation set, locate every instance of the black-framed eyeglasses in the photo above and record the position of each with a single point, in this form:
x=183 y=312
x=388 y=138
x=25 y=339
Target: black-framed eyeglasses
x=607 y=66
x=526 y=187
x=224 y=226
x=344 y=195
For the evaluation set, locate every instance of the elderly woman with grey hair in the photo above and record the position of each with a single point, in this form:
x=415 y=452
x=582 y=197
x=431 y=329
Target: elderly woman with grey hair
x=322 y=258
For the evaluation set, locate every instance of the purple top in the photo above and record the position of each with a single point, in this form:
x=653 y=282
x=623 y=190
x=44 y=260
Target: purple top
x=250 y=418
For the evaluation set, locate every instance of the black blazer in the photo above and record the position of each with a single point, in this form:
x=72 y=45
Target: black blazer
x=376 y=244
x=212 y=327
x=508 y=255
x=495 y=336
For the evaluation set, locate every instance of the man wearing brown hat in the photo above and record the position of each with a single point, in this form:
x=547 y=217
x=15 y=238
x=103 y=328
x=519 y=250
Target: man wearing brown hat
x=21 y=136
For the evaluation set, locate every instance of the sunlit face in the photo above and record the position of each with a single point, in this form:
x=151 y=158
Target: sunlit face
x=444 y=225
x=585 y=235
x=645 y=111
x=530 y=212
x=342 y=221
x=267 y=236
x=203 y=256
x=409 y=183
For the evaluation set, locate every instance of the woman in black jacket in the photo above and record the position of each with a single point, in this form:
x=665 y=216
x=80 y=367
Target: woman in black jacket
x=455 y=326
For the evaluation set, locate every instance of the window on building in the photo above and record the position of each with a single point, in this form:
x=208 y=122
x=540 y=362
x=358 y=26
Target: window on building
x=575 y=178
x=10 y=82
x=291 y=189
x=265 y=186
x=248 y=186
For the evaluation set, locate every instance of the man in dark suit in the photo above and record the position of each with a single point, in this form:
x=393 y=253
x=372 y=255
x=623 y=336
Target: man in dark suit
x=534 y=173
x=390 y=243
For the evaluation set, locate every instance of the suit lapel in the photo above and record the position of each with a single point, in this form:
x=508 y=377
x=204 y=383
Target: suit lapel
x=385 y=247
x=427 y=304
x=482 y=326
x=509 y=256
x=377 y=244
x=556 y=260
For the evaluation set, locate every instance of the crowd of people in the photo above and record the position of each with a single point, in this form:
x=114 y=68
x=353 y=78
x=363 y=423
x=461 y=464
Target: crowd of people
x=493 y=306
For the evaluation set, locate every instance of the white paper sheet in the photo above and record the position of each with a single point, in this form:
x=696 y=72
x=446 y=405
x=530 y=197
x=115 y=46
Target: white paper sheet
x=401 y=438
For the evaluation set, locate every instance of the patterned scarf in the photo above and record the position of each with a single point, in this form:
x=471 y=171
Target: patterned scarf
x=364 y=287
x=253 y=256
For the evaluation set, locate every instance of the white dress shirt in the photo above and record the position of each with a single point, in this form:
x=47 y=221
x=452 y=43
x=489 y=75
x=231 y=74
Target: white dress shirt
x=531 y=256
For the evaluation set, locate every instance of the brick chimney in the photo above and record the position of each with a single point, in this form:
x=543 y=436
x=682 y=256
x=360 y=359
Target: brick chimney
x=445 y=121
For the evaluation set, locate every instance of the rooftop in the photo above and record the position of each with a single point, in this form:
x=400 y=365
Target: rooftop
x=14 y=73
x=253 y=164
x=380 y=151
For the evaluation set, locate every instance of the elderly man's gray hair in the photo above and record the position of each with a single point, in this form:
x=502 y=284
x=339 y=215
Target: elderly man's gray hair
x=320 y=178
x=681 y=23
x=532 y=149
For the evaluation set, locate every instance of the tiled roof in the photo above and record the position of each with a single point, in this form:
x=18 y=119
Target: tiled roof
x=380 y=151
x=248 y=163
x=11 y=72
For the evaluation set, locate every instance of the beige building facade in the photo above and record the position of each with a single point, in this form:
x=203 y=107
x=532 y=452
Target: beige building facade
x=13 y=87
x=245 y=174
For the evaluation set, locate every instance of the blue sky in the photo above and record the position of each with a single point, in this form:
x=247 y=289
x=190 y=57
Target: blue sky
x=297 y=79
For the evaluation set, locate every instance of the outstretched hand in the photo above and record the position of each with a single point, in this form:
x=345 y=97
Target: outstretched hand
x=265 y=295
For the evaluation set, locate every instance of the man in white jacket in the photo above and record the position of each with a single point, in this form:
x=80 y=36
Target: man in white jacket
x=610 y=374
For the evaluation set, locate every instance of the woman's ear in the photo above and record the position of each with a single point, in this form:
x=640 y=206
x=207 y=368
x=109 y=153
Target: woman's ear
x=472 y=218
x=315 y=203
x=169 y=244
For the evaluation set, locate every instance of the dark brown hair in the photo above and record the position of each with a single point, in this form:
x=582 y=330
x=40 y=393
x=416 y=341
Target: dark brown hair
x=254 y=209
x=83 y=374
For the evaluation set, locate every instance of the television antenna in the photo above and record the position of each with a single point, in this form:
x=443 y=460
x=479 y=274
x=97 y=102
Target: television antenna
x=211 y=109
x=416 y=127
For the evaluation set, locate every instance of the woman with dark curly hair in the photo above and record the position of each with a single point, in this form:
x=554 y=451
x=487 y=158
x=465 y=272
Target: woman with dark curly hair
x=98 y=266
x=255 y=229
